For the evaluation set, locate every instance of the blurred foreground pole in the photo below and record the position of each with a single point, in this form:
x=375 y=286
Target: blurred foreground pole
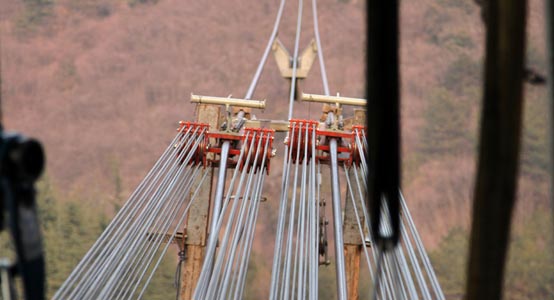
x=1 y=90
x=496 y=185
x=550 y=76
x=383 y=117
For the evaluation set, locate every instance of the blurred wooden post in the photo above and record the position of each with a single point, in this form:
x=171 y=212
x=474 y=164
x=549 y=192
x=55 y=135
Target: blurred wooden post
x=550 y=77
x=496 y=185
x=198 y=217
x=1 y=90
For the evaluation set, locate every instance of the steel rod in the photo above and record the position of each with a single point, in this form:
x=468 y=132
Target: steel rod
x=337 y=221
x=115 y=256
x=173 y=235
x=319 y=49
x=421 y=249
x=227 y=101
x=384 y=284
x=206 y=272
x=333 y=99
x=153 y=219
x=277 y=255
x=121 y=218
x=290 y=234
x=235 y=234
x=220 y=188
x=164 y=220
x=246 y=254
x=295 y=59
x=267 y=50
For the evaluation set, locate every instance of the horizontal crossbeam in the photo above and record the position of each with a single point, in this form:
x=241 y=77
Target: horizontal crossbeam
x=260 y=104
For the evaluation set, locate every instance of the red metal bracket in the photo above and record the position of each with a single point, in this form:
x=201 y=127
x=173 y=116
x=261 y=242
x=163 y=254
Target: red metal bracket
x=243 y=140
x=348 y=152
x=356 y=156
x=197 y=129
x=253 y=137
x=344 y=150
x=300 y=135
x=220 y=136
x=237 y=141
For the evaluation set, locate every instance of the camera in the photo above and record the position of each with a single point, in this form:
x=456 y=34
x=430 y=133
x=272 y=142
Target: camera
x=21 y=164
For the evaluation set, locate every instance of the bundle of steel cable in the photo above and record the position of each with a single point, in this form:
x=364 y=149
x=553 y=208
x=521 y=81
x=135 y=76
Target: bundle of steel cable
x=224 y=270
x=122 y=261
x=403 y=273
x=295 y=272
x=296 y=256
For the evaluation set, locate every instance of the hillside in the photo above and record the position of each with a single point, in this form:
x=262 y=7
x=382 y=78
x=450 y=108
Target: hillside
x=103 y=84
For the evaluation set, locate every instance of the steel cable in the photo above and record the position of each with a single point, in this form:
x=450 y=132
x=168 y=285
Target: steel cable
x=174 y=233
x=295 y=58
x=118 y=258
x=251 y=196
x=108 y=252
x=295 y=263
x=227 y=278
x=148 y=216
x=211 y=246
x=118 y=219
x=231 y=230
x=403 y=267
x=276 y=268
x=261 y=65
x=320 y=50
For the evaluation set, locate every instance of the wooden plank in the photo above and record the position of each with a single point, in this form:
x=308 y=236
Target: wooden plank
x=352 y=254
x=351 y=233
x=277 y=125
x=197 y=220
x=190 y=270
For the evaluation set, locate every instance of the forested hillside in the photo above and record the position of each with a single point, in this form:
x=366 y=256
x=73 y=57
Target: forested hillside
x=103 y=84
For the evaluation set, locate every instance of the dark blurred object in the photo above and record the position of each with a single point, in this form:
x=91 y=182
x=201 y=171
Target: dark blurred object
x=549 y=20
x=21 y=164
x=530 y=75
x=383 y=119
x=499 y=147
x=534 y=77
x=484 y=4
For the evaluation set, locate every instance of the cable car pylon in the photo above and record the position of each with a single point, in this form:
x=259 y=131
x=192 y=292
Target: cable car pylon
x=212 y=216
